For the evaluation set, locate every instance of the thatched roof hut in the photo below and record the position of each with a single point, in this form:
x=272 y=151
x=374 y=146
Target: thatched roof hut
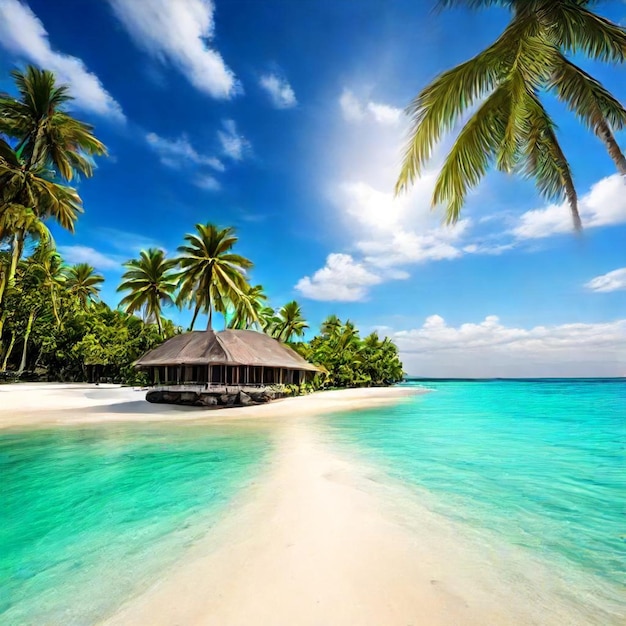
x=227 y=357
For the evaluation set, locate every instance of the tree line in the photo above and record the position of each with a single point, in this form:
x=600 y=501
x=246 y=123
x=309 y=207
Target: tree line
x=56 y=327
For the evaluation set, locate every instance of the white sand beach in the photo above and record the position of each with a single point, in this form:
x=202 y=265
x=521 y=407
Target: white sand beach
x=37 y=404
x=317 y=539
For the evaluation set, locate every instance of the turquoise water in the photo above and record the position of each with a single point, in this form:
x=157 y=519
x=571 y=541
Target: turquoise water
x=91 y=516
x=88 y=514
x=540 y=463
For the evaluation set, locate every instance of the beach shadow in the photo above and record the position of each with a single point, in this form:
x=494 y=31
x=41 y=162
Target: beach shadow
x=141 y=407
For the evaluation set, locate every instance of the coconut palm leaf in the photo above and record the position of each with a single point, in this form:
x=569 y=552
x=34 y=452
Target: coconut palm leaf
x=248 y=308
x=437 y=108
x=47 y=135
x=472 y=153
x=545 y=161
x=291 y=322
x=578 y=30
x=211 y=275
x=84 y=283
x=511 y=129
x=151 y=281
x=47 y=265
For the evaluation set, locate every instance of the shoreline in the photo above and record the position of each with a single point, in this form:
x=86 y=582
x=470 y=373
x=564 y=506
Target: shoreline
x=26 y=405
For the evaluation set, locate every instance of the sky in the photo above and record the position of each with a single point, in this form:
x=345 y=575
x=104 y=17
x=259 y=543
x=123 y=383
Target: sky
x=286 y=120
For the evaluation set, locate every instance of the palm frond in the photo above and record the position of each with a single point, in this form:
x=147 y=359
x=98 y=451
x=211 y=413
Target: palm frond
x=472 y=152
x=545 y=162
x=438 y=106
x=577 y=29
x=585 y=96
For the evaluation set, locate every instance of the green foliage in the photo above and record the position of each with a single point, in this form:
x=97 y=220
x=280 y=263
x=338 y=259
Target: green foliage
x=350 y=361
x=511 y=130
x=247 y=308
x=42 y=148
x=151 y=281
x=49 y=329
x=212 y=276
x=84 y=283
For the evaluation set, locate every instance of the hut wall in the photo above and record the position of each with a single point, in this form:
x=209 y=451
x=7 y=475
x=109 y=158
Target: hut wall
x=234 y=375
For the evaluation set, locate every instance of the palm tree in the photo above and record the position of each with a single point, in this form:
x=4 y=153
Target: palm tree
x=50 y=144
x=348 y=336
x=15 y=219
x=291 y=322
x=46 y=265
x=248 y=307
x=331 y=326
x=269 y=321
x=152 y=281
x=47 y=135
x=211 y=275
x=511 y=129
x=84 y=283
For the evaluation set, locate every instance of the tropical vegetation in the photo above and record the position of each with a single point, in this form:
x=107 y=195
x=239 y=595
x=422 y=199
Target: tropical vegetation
x=42 y=149
x=509 y=128
x=352 y=361
x=57 y=328
x=53 y=324
x=212 y=276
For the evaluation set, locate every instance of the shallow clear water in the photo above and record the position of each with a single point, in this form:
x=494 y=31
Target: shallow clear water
x=90 y=516
x=87 y=514
x=540 y=463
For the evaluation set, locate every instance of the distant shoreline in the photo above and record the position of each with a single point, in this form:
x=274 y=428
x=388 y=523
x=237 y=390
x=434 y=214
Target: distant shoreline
x=416 y=379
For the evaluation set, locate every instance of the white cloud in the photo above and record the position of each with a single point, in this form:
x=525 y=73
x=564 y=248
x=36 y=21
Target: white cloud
x=23 y=34
x=176 y=153
x=207 y=182
x=612 y=281
x=372 y=208
x=391 y=234
x=383 y=113
x=388 y=233
x=85 y=254
x=410 y=247
x=491 y=349
x=177 y=32
x=355 y=110
x=234 y=145
x=603 y=205
x=342 y=279
x=280 y=91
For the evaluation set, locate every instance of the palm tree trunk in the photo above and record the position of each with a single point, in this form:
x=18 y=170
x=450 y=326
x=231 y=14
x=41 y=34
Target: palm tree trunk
x=195 y=315
x=159 y=325
x=55 y=308
x=3 y=320
x=209 y=325
x=29 y=327
x=17 y=247
x=604 y=133
x=7 y=355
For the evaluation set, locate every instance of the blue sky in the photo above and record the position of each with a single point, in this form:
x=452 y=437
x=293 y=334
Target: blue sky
x=284 y=119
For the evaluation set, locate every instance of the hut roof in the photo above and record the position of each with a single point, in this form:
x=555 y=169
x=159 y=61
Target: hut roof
x=226 y=347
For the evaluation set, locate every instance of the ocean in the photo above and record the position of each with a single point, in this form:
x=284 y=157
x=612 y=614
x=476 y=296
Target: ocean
x=89 y=516
x=535 y=464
